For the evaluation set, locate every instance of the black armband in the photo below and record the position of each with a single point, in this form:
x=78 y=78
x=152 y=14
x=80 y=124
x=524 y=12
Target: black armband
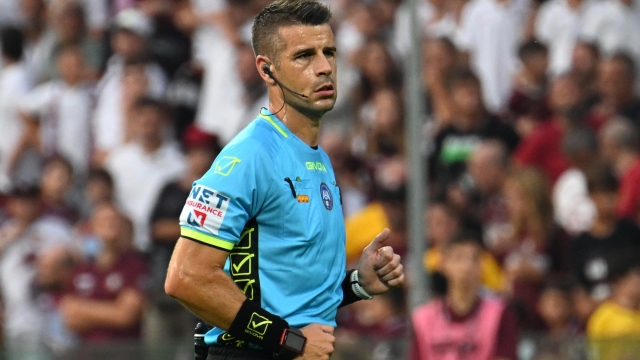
x=258 y=326
x=348 y=296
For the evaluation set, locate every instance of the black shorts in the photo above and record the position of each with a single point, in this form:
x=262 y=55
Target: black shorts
x=233 y=353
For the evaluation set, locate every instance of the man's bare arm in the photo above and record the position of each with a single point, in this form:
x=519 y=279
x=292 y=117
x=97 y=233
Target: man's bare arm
x=196 y=278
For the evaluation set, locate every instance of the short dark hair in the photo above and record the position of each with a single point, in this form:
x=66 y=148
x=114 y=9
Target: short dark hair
x=462 y=76
x=621 y=263
x=601 y=179
x=60 y=160
x=12 y=42
x=466 y=236
x=530 y=48
x=100 y=174
x=627 y=61
x=264 y=32
x=149 y=102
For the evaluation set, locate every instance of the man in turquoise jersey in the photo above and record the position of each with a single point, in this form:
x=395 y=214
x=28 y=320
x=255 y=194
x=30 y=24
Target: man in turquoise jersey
x=262 y=252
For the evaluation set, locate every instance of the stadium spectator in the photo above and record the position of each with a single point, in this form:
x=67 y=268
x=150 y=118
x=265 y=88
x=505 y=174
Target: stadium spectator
x=490 y=32
x=128 y=42
x=167 y=319
x=22 y=238
x=99 y=189
x=534 y=246
x=55 y=184
x=105 y=297
x=464 y=323
x=616 y=84
x=440 y=59
x=614 y=327
x=527 y=103
x=141 y=168
x=442 y=226
x=555 y=306
x=619 y=141
x=558 y=25
x=57 y=113
x=574 y=211
x=471 y=124
x=608 y=235
x=541 y=149
x=14 y=83
x=584 y=65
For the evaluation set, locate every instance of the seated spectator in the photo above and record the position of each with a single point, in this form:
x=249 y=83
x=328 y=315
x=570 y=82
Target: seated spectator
x=542 y=147
x=574 y=211
x=471 y=124
x=99 y=189
x=23 y=238
x=464 y=323
x=141 y=168
x=442 y=225
x=620 y=142
x=56 y=182
x=171 y=320
x=616 y=84
x=527 y=104
x=556 y=310
x=387 y=211
x=57 y=113
x=584 y=66
x=534 y=247
x=608 y=235
x=440 y=58
x=614 y=328
x=105 y=298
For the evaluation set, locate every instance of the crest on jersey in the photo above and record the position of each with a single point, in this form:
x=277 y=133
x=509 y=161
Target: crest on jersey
x=327 y=198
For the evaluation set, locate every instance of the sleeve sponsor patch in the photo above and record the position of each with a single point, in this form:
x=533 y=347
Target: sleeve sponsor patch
x=205 y=209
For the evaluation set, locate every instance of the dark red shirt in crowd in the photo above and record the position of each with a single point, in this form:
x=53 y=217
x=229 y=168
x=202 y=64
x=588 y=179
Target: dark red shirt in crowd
x=543 y=150
x=88 y=281
x=629 y=200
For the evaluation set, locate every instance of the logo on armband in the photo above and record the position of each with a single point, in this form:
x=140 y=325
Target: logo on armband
x=258 y=325
x=327 y=198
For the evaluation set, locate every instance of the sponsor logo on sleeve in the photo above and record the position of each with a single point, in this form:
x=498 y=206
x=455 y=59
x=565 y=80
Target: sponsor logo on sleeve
x=205 y=208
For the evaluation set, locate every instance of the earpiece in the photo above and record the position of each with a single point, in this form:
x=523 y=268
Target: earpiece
x=266 y=69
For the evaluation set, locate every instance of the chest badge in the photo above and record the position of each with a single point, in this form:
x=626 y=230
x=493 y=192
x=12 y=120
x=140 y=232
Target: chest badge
x=327 y=197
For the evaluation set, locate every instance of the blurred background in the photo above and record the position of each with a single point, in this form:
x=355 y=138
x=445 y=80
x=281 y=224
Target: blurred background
x=110 y=109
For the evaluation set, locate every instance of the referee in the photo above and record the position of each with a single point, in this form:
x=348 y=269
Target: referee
x=262 y=250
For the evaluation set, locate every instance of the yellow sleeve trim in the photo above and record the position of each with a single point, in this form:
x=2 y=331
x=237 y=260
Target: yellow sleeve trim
x=275 y=125
x=207 y=239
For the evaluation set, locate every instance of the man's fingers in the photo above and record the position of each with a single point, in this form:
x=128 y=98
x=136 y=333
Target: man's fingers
x=389 y=266
x=326 y=328
x=396 y=273
x=379 y=241
x=396 y=282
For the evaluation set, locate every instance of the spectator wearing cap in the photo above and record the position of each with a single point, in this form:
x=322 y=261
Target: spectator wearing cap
x=464 y=323
x=558 y=25
x=14 y=84
x=166 y=319
x=57 y=113
x=22 y=239
x=141 y=168
x=608 y=235
x=131 y=29
x=614 y=327
x=620 y=148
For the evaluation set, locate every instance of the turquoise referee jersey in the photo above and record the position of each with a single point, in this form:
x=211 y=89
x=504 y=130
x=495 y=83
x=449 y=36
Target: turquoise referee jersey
x=272 y=201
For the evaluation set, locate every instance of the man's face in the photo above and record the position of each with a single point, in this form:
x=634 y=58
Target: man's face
x=307 y=65
x=461 y=264
x=614 y=81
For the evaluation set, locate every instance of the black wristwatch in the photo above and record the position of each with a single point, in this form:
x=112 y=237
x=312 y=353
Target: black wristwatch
x=291 y=344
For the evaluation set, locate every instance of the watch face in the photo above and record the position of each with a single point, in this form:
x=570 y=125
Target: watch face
x=294 y=342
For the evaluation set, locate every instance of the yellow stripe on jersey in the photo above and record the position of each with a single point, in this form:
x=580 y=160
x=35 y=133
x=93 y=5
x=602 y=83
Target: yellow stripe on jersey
x=207 y=239
x=275 y=125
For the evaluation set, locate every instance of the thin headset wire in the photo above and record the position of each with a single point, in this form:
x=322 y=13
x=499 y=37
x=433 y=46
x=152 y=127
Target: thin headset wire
x=283 y=101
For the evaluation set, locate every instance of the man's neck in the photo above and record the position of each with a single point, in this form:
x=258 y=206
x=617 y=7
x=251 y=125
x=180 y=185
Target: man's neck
x=461 y=300
x=151 y=145
x=574 y=4
x=624 y=162
x=303 y=126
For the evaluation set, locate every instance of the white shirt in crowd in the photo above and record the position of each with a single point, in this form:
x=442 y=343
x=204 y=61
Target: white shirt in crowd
x=446 y=26
x=64 y=115
x=558 y=25
x=14 y=84
x=139 y=177
x=22 y=316
x=491 y=31
x=574 y=209
x=109 y=118
x=614 y=26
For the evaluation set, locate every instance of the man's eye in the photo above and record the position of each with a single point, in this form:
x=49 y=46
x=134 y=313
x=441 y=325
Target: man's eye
x=329 y=53
x=303 y=56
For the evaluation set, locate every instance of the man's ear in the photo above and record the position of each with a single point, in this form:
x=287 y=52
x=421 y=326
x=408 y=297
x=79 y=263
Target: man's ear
x=263 y=64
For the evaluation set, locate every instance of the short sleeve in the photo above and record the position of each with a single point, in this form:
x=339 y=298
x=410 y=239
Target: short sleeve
x=35 y=102
x=227 y=196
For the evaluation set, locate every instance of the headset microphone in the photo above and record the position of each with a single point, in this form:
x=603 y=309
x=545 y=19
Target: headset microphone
x=268 y=72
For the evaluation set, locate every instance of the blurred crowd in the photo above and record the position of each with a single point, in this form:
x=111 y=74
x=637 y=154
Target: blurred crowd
x=110 y=109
